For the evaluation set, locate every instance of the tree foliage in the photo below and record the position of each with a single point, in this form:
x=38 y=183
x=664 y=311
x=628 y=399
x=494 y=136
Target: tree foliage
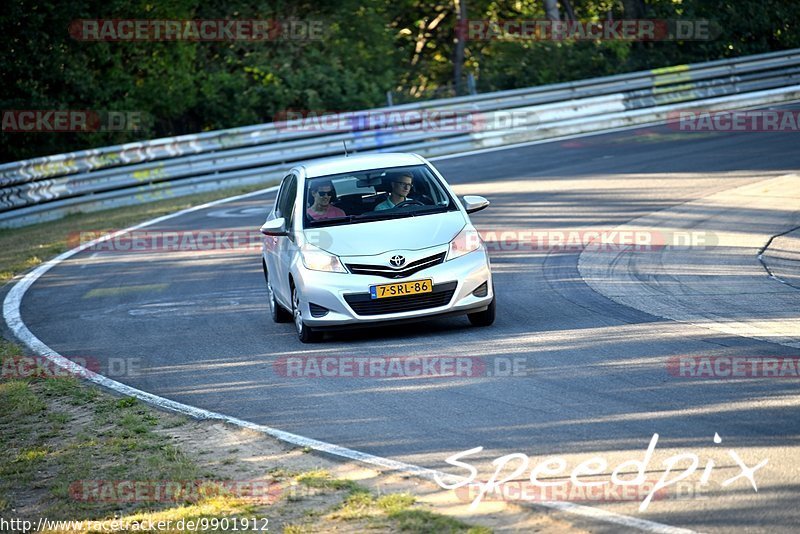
x=369 y=48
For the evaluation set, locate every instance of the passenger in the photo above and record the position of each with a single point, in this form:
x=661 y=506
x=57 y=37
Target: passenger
x=401 y=187
x=323 y=193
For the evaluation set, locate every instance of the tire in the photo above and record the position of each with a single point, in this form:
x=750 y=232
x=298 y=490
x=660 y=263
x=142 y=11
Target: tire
x=484 y=318
x=278 y=313
x=305 y=333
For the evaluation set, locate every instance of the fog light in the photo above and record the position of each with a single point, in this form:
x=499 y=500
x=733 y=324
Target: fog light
x=317 y=310
x=481 y=291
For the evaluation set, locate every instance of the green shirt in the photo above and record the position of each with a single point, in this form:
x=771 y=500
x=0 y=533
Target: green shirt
x=387 y=204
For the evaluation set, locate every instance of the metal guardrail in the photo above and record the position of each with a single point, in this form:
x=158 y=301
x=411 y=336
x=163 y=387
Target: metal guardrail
x=47 y=188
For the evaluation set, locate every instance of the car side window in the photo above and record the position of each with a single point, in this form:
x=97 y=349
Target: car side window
x=286 y=199
x=281 y=195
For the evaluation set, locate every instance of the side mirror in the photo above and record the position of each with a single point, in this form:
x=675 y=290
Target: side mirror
x=473 y=203
x=275 y=227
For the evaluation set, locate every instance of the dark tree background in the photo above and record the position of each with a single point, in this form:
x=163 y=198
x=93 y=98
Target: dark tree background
x=370 y=47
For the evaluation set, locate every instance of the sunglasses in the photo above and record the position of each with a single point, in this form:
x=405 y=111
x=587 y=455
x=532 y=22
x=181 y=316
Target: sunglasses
x=404 y=184
x=324 y=193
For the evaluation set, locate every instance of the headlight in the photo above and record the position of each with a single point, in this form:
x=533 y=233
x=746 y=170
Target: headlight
x=317 y=259
x=467 y=240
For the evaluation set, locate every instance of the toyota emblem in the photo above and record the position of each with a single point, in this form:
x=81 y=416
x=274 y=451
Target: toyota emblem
x=397 y=261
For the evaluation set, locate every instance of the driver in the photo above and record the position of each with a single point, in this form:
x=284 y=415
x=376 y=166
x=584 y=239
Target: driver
x=401 y=186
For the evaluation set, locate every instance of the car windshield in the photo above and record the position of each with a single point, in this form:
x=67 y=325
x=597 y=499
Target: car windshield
x=375 y=194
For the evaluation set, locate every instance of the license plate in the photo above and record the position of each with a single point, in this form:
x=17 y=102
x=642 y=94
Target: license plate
x=401 y=289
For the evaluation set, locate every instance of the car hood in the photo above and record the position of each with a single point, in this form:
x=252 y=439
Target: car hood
x=378 y=237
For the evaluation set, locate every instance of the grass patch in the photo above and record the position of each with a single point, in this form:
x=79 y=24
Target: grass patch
x=395 y=502
x=18 y=401
x=75 y=470
x=357 y=505
x=214 y=514
x=321 y=479
x=59 y=418
x=8 y=349
x=127 y=402
x=207 y=515
x=175 y=422
x=297 y=529
x=280 y=473
x=70 y=390
x=395 y=512
x=23 y=465
x=117 y=442
x=423 y=522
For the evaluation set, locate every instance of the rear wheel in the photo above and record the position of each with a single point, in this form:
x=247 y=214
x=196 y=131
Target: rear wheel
x=278 y=313
x=305 y=333
x=484 y=318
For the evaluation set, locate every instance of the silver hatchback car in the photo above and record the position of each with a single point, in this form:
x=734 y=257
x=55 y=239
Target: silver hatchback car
x=360 y=240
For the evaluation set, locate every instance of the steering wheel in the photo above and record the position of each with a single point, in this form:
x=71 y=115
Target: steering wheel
x=409 y=202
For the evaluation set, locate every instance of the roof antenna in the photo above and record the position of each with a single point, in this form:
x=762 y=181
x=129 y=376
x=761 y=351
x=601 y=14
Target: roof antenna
x=345 y=147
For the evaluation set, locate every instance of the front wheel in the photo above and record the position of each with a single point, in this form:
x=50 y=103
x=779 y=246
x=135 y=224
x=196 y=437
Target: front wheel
x=278 y=313
x=305 y=333
x=483 y=318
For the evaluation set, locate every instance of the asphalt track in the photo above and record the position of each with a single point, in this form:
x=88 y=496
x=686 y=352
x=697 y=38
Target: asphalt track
x=197 y=325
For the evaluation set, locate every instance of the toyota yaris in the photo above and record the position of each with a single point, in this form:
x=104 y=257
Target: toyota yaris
x=361 y=240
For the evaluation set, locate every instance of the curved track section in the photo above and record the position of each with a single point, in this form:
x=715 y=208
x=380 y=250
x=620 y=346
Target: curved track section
x=706 y=269
x=597 y=379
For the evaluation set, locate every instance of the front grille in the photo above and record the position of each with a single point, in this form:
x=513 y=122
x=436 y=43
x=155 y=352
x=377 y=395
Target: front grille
x=389 y=272
x=363 y=304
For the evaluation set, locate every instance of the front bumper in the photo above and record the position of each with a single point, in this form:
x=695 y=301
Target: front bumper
x=328 y=290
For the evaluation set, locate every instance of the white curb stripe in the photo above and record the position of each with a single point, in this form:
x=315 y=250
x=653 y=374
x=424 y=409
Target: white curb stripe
x=11 y=312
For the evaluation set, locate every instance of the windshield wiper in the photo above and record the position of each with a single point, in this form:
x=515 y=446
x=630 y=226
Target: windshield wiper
x=431 y=209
